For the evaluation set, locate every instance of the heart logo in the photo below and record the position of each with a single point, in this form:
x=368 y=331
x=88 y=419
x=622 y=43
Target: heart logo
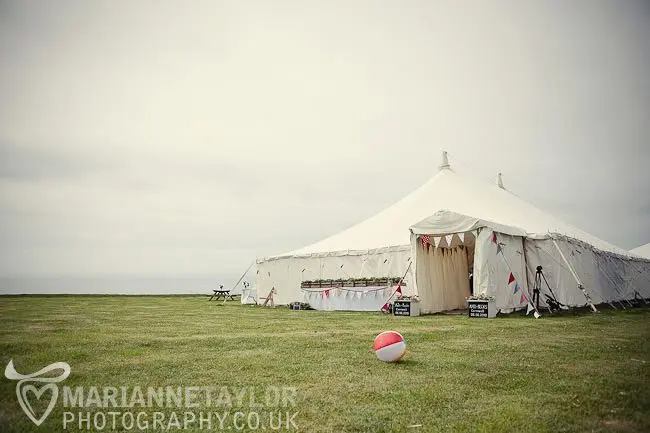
x=23 y=391
x=42 y=376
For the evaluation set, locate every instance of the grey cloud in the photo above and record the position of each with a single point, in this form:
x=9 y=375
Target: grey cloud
x=50 y=163
x=182 y=133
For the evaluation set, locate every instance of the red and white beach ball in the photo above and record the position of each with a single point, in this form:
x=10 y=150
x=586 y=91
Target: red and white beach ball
x=390 y=346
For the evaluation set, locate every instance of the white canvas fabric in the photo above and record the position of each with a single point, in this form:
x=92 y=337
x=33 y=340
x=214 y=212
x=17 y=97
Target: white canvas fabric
x=249 y=295
x=574 y=272
x=381 y=245
x=348 y=298
x=642 y=251
x=285 y=273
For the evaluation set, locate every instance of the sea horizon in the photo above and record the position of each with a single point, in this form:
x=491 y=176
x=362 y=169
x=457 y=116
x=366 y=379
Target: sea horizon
x=193 y=284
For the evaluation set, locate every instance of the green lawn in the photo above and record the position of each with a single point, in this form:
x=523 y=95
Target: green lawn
x=577 y=373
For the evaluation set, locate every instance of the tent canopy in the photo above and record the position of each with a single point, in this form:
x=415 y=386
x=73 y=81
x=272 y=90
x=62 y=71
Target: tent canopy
x=454 y=192
x=447 y=222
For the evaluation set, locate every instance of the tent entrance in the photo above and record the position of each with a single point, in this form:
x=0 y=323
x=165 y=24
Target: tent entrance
x=442 y=275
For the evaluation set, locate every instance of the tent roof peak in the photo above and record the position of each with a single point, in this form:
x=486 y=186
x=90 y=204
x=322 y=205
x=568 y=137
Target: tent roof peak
x=444 y=164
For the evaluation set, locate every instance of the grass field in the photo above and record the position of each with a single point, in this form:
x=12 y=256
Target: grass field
x=577 y=373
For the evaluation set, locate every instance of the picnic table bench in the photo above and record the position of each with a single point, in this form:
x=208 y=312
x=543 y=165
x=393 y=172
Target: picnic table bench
x=221 y=293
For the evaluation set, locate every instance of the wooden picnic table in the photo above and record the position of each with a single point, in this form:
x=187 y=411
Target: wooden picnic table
x=220 y=293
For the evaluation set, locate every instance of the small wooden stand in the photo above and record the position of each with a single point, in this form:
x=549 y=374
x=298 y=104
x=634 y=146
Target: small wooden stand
x=269 y=298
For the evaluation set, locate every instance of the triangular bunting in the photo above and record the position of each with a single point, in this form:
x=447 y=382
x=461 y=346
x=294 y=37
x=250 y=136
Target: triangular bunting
x=461 y=236
x=516 y=287
x=449 y=238
x=436 y=241
x=511 y=278
x=327 y=293
x=399 y=289
x=523 y=299
x=494 y=237
x=529 y=308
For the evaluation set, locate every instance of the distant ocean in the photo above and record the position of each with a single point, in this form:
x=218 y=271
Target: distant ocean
x=116 y=285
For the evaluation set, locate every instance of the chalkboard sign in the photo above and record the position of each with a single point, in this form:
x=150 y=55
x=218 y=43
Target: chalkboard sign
x=478 y=308
x=402 y=308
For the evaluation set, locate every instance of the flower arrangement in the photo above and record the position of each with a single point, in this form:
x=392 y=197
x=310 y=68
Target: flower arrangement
x=480 y=297
x=414 y=298
x=352 y=282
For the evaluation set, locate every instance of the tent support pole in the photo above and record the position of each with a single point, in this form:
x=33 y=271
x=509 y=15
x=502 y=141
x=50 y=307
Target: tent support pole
x=399 y=284
x=580 y=286
x=241 y=278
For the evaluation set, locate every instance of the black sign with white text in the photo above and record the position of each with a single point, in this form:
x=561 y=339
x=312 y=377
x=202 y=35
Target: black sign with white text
x=402 y=308
x=478 y=308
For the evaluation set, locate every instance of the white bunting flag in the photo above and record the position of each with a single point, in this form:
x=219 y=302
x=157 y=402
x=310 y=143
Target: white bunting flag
x=436 y=241
x=529 y=308
x=448 y=238
x=461 y=236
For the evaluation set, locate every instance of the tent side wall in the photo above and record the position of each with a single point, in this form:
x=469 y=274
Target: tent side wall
x=606 y=277
x=566 y=264
x=492 y=270
x=287 y=273
x=544 y=253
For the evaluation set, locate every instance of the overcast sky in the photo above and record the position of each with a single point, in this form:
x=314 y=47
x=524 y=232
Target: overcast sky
x=191 y=137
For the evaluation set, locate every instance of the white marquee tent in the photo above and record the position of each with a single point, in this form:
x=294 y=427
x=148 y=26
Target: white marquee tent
x=382 y=246
x=642 y=251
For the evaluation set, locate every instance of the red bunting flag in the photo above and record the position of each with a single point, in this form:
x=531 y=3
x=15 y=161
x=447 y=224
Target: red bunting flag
x=327 y=293
x=511 y=278
x=494 y=237
x=523 y=299
x=426 y=241
x=399 y=289
x=385 y=307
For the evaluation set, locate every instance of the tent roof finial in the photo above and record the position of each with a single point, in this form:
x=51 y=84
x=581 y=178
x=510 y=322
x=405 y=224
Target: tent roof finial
x=500 y=181
x=445 y=161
